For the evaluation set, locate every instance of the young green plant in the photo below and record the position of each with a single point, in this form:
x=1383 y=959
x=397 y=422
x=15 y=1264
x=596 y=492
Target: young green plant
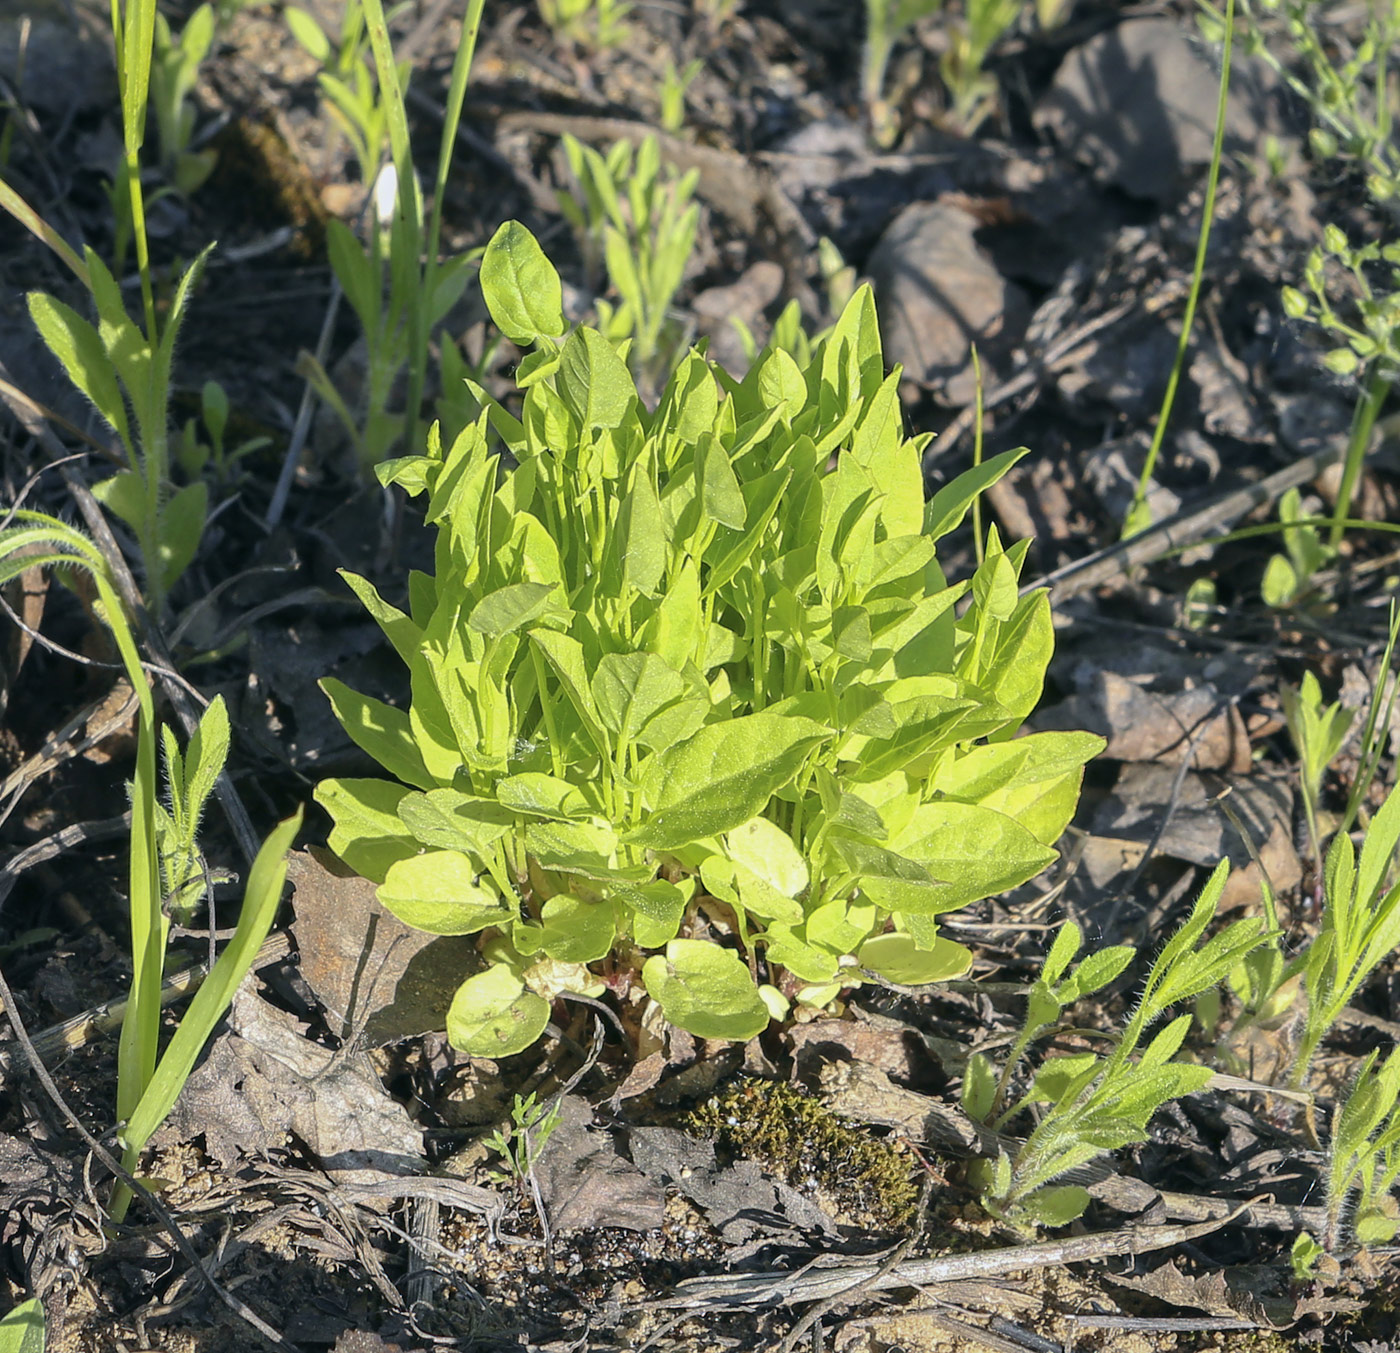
x=673 y=681
x=149 y=1081
x=174 y=72
x=395 y=281
x=593 y=23
x=638 y=217
x=1360 y=928
x=1092 y=1103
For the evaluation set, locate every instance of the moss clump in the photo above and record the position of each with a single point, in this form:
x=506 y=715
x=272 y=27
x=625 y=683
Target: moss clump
x=795 y=1136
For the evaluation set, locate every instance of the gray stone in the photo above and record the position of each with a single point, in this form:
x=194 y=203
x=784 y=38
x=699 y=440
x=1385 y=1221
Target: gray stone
x=938 y=294
x=1138 y=103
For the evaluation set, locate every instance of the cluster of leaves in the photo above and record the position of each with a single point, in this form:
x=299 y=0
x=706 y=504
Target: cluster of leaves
x=347 y=81
x=1373 y=339
x=596 y=23
x=1350 y=99
x=174 y=71
x=637 y=217
x=1094 y=1103
x=673 y=678
x=971 y=36
x=119 y=367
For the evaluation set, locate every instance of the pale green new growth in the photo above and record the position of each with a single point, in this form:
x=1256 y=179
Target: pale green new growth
x=174 y=71
x=520 y=1141
x=1099 y=1103
x=669 y=668
x=1318 y=732
x=1288 y=577
x=597 y=23
x=637 y=217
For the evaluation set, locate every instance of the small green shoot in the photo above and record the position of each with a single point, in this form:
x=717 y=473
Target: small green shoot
x=352 y=95
x=1363 y=1160
x=963 y=64
x=197 y=453
x=174 y=72
x=1092 y=1103
x=638 y=217
x=190 y=778
x=592 y=23
x=519 y=1142
x=886 y=23
x=1360 y=928
x=1318 y=731
x=674 y=84
x=1288 y=577
x=394 y=280
x=148 y=1082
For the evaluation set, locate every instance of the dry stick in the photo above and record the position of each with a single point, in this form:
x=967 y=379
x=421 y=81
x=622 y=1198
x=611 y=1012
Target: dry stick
x=1185 y=528
x=101 y=533
x=163 y=1215
x=762 y=1289
x=824 y=1308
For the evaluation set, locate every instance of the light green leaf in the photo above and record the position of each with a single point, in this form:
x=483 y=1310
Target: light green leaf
x=705 y=990
x=587 y=848
x=641 y=532
x=576 y=931
x=540 y=795
x=510 y=608
x=632 y=688
x=451 y=820
x=973 y=852
x=366 y=832
x=721 y=777
x=492 y=1015
x=898 y=958
x=594 y=380
x=83 y=356
x=520 y=286
x=400 y=631
x=381 y=730
x=947 y=508
x=1056 y=1206
x=657 y=909
x=22 y=1328
x=767 y=850
x=181 y=529
x=261 y=898
x=440 y=892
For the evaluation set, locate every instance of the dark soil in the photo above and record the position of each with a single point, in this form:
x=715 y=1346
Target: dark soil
x=1060 y=236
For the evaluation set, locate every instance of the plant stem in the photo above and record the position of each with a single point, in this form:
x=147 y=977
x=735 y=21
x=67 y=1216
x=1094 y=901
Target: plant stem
x=1368 y=407
x=1137 y=519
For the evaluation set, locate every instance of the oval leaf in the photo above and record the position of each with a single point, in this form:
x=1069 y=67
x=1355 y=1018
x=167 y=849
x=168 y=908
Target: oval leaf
x=721 y=777
x=520 y=286
x=438 y=892
x=705 y=990
x=492 y=1015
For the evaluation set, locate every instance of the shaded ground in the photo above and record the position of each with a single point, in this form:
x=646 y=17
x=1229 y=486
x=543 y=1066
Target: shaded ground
x=1061 y=238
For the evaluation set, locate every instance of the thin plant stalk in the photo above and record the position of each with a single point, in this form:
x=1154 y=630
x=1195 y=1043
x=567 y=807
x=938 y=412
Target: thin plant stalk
x=1137 y=518
x=1363 y=422
x=977 y=544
